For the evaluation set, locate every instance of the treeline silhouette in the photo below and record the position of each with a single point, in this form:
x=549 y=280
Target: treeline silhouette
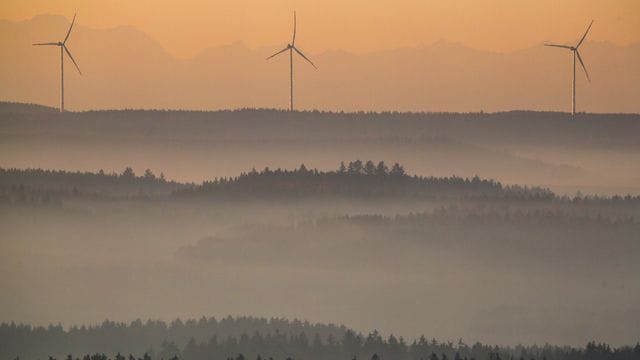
x=514 y=126
x=254 y=338
x=358 y=179
x=490 y=215
x=39 y=186
x=137 y=337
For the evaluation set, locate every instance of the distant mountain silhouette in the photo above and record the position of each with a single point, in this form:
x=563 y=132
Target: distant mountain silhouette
x=125 y=68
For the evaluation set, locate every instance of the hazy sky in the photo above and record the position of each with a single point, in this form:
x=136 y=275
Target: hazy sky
x=186 y=27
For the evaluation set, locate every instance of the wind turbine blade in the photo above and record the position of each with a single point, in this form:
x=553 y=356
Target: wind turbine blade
x=306 y=58
x=293 y=41
x=40 y=44
x=584 y=67
x=278 y=53
x=585 y=35
x=72 y=59
x=70 y=27
x=560 y=46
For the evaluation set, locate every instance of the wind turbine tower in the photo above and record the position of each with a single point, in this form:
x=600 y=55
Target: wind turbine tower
x=63 y=49
x=291 y=48
x=576 y=53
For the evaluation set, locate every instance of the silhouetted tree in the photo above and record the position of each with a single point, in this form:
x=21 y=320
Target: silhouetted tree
x=355 y=167
x=369 y=168
x=382 y=169
x=397 y=170
x=149 y=175
x=128 y=173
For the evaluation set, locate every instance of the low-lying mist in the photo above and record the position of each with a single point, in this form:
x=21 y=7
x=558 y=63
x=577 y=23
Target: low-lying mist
x=451 y=258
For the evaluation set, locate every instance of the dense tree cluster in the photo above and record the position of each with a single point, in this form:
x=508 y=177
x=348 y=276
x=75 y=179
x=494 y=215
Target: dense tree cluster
x=360 y=180
x=39 y=186
x=337 y=343
x=138 y=337
x=357 y=179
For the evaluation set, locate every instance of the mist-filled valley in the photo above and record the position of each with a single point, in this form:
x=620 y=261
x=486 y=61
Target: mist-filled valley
x=508 y=228
x=501 y=263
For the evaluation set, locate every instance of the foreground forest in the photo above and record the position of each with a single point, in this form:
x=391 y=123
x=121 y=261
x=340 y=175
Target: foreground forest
x=258 y=338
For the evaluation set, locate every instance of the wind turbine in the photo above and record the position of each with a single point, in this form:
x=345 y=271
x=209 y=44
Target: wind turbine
x=576 y=53
x=291 y=48
x=63 y=49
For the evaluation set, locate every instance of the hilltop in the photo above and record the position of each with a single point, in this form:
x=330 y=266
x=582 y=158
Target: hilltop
x=359 y=180
x=533 y=127
x=364 y=180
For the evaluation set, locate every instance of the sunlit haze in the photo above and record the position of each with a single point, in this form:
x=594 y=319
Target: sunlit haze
x=187 y=27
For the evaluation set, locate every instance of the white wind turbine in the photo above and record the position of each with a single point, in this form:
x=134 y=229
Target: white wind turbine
x=291 y=48
x=576 y=53
x=63 y=49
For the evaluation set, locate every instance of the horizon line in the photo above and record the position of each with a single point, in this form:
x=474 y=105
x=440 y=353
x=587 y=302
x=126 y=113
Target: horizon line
x=313 y=111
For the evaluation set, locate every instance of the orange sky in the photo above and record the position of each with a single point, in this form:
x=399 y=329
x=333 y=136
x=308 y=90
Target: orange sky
x=352 y=25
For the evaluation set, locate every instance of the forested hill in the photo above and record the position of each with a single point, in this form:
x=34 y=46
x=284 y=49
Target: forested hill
x=514 y=127
x=358 y=179
x=16 y=184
